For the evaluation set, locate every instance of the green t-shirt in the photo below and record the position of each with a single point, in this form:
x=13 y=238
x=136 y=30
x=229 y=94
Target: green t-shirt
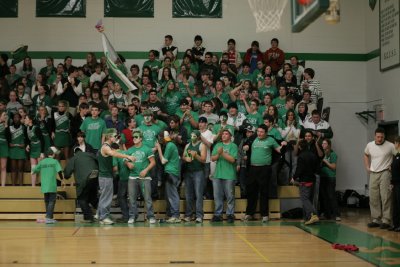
x=93 y=129
x=265 y=90
x=279 y=103
x=325 y=171
x=155 y=65
x=172 y=155
x=123 y=170
x=217 y=128
x=142 y=155
x=243 y=77
x=150 y=134
x=183 y=89
x=275 y=133
x=224 y=169
x=186 y=121
x=139 y=120
x=261 y=151
x=48 y=169
x=172 y=100
x=255 y=119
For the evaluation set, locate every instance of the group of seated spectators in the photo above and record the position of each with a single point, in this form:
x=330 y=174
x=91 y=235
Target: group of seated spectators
x=199 y=95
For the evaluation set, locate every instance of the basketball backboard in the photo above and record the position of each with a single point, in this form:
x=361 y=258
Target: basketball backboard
x=305 y=12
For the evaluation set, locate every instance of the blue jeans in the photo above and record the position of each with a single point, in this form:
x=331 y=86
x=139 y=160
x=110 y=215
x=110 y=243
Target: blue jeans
x=224 y=187
x=50 y=202
x=144 y=185
x=122 y=198
x=172 y=195
x=194 y=188
x=106 y=194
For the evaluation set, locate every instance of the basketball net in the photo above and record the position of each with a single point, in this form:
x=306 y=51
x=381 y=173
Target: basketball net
x=267 y=14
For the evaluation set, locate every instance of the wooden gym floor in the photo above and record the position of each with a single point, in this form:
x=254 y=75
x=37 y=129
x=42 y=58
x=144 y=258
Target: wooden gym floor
x=277 y=243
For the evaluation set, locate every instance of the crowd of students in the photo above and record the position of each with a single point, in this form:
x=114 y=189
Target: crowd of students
x=203 y=121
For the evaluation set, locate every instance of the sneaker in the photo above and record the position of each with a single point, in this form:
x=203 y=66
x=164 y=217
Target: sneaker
x=152 y=220
x=313 y=219
x=40 y=220
x=373 y=225
x=247 y=217
x=173 y=220
x=50 y=221
x=216 y=218
x=384 y=226
x=187 y=219
x=230 y=218
x=106 y=221
x=264 y=219
x=131 y=221
x=199 y=220
x=338 y=219
x=96 y=216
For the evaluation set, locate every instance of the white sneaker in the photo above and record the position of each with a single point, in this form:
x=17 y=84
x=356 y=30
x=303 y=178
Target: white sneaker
x=50 y=221
x=173 y=220
x=152 y=220
x=199 y=220
x=106 y=221
x=338 y=219
x=187 y=219
x=131 y=221
x=247 y=217
x=264 y=219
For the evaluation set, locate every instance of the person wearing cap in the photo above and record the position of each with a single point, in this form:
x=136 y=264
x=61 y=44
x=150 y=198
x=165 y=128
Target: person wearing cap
x=194 y=155
x=105 y=157
x=85 y=168
x=219 y=127
x=140 y=176
x=48 y=169
x=259 y=176
x=253 y=55
x=243 y=158
x=94 y=128
x=224 y=179
x=171 y=161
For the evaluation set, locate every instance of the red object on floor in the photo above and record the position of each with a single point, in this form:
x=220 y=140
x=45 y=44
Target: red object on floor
x=348 y=247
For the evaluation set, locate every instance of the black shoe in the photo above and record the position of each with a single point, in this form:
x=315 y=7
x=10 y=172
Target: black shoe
x=230 y=218
x=122 y=220
x=216 y=218
x=384 y=226
x=373 y=225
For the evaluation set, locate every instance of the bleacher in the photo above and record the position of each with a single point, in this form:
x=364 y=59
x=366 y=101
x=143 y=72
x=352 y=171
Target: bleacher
x=26 y=202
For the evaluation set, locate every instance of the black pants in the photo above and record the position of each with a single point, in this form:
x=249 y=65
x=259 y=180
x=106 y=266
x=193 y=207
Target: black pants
x=328 y=197
x=396 y=205
x=89 y=196
x=50 y=202
x=123 y=198
x=258 y=188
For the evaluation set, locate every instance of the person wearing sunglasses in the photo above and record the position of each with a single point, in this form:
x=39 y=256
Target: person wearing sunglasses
x=139 y=177
x=105 y=158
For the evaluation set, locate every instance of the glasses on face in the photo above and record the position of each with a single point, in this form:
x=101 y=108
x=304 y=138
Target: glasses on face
x=136 y=136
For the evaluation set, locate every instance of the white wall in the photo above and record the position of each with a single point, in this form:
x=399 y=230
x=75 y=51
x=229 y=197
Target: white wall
x=347 y=86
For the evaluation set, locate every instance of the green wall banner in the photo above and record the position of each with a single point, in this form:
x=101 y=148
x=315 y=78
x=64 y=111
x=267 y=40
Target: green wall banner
x=8 y=8
x=197 y=8
x=61 y=8
x=129 y=8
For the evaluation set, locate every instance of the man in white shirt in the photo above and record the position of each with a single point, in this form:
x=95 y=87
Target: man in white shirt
x=207 y=138
x=97 y=76
x=378 y=156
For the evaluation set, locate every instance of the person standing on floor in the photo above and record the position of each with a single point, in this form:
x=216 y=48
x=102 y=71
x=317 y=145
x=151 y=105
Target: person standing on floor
x=48 y=169
x=105 y=158
x=85 y=168
x=378 y=156
x=395 y=186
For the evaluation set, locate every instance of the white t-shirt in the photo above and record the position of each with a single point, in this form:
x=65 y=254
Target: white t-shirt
x=97 y=77
x=207 y=134
x=381 y=155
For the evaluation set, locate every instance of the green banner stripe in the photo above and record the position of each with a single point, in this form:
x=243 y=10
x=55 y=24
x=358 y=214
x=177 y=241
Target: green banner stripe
x=144 y=55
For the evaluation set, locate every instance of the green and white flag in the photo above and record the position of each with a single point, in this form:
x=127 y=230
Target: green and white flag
x=114 y=63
